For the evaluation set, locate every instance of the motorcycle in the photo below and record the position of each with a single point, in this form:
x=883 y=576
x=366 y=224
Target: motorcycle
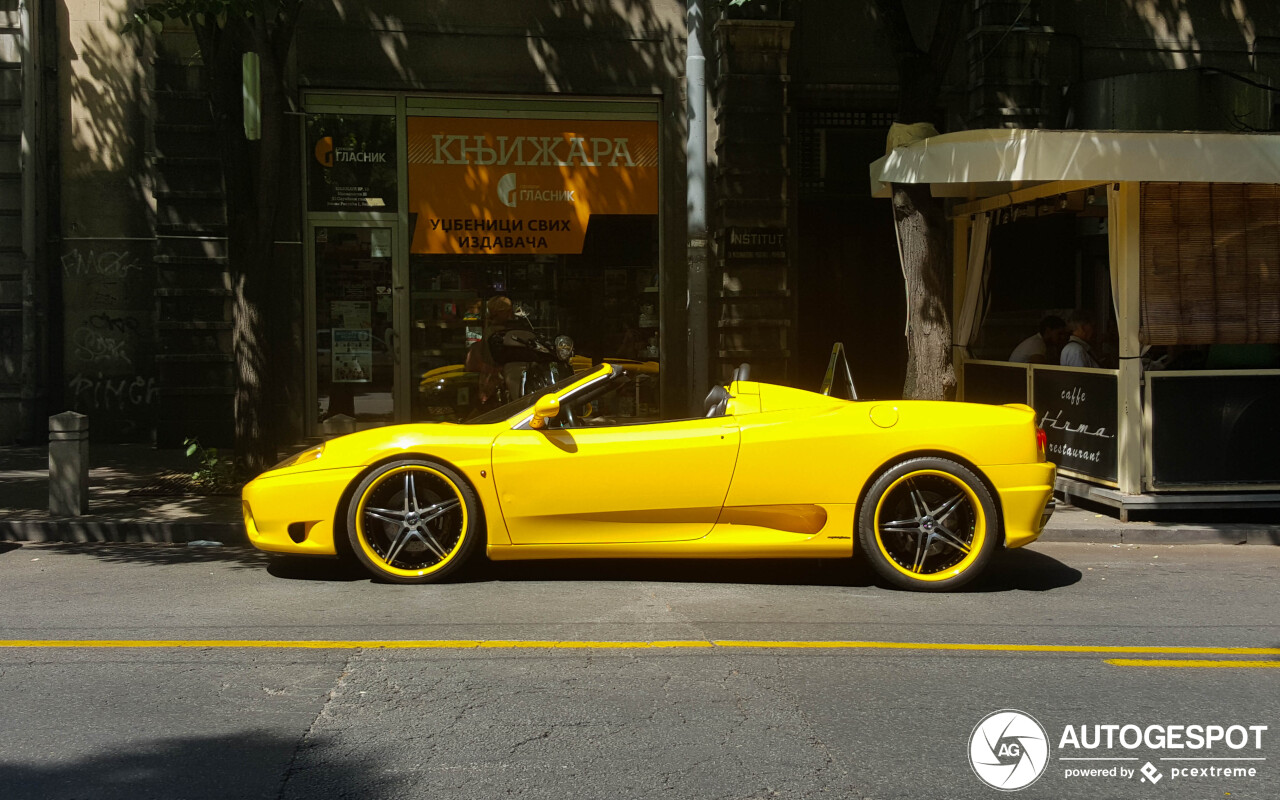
x=530 y=361
x=524 y=360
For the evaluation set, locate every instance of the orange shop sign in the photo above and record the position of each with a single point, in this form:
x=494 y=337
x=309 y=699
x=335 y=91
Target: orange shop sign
x=525 y=185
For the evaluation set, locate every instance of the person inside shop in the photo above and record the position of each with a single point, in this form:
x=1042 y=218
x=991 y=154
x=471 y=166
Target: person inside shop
x=632 y=345
x=1078 y=351
x=501 y=315
x=1044 y=346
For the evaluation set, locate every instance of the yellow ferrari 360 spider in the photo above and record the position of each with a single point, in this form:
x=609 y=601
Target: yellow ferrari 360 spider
x=928 y=490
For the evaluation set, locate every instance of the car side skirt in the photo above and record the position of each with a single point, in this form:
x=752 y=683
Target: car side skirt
x=785 y=531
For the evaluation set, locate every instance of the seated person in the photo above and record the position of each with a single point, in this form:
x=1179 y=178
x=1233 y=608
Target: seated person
x=1042 y=347
x=1078 y=351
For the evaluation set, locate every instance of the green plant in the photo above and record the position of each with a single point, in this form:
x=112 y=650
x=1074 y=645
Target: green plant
x=213 y=472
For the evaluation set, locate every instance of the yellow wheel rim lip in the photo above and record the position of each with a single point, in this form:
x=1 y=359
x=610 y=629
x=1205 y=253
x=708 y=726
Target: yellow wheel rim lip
x=363 y=538
x=979 y=528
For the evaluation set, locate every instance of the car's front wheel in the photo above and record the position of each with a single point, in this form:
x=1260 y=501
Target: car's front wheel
x=413 y=521
x=928 y=524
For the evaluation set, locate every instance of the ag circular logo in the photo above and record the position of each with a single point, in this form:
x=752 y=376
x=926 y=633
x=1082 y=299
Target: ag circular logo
x=1008 y=750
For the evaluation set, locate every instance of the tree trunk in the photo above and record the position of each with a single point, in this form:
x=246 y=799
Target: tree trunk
x=918 y=215
x=922 y=233
x=251 y=176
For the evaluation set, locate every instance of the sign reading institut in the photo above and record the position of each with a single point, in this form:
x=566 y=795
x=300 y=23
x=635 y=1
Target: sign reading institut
x=488 y=186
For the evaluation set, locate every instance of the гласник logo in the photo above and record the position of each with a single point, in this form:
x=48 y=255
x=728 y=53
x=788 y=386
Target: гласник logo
x=324 y=151
x=1008 y=750
x=507 y=190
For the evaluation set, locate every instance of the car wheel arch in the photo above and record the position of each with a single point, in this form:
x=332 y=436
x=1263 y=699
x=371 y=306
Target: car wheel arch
x=959 y=459
x=340 y=534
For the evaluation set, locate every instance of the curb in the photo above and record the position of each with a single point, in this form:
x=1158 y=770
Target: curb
x=110 y=531
x=1228 y=535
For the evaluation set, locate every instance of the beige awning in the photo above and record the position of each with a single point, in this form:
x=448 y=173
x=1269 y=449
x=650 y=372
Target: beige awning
x=980 y=163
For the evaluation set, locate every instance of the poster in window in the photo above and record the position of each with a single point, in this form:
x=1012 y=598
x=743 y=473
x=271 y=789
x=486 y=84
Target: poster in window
x=352 y=163
x=350 y=314
x=352 y=355
x=380 y=243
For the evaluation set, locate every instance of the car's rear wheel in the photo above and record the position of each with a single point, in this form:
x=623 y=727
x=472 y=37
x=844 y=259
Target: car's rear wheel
x=928 y=524
x=413 y=521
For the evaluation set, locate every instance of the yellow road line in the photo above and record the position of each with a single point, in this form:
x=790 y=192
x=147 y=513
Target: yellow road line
x=462 y=644
x=1138 y=662
x=394 y=644
x=1013 y=648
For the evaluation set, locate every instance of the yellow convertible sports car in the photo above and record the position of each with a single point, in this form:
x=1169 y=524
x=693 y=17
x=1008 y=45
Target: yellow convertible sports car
x=928 y=490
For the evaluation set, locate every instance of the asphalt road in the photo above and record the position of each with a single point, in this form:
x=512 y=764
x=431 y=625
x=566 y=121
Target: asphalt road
x=740 y=710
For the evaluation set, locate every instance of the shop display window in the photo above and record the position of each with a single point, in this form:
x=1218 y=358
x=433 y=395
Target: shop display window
x=605 y=300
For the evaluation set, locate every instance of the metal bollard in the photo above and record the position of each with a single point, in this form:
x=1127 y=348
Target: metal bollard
x=68 y=464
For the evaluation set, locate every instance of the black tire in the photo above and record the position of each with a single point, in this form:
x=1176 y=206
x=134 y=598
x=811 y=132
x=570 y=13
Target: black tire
x=420 y=541
x=929 y=525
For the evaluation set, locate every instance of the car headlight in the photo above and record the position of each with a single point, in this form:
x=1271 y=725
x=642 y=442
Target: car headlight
x=564 y=347
x=310 y=454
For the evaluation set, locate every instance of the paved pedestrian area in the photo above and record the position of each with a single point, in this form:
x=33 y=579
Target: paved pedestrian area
x=129 y=499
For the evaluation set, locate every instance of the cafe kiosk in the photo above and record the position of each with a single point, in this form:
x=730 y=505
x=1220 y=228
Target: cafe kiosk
x=1192 y=254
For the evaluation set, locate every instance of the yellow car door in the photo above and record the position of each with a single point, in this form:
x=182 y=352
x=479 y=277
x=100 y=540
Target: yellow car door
x=650 y=482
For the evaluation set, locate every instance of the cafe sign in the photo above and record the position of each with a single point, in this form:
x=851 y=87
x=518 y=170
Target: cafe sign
x=488 y=186
x=1077 y=411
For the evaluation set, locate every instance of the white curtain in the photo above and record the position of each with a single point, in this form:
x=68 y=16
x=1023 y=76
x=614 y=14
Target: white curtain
x=975 y=281
x=1113 y=244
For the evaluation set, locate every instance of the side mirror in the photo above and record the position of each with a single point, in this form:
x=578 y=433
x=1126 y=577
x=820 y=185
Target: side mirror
x=547 y=407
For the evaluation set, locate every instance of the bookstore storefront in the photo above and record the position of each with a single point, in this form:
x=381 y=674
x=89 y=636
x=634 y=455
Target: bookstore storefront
x=424 y=211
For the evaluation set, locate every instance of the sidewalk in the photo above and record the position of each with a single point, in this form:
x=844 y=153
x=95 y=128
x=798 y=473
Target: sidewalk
x=116 y=515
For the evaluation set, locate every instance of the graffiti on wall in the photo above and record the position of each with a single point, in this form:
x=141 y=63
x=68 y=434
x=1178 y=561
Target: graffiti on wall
x=109 y=336
x=99 y=392
x=79 y=263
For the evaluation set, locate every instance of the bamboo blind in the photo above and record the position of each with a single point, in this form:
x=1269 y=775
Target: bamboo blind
x=1210 y=263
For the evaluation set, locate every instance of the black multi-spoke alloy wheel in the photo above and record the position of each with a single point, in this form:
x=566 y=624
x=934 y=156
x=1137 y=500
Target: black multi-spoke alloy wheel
x=414 y=522
x=928 y=524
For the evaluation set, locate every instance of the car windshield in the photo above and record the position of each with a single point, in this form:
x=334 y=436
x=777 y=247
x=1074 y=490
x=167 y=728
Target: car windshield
x=522 y=404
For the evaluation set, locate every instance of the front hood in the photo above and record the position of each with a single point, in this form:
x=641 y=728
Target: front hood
x=448 y=441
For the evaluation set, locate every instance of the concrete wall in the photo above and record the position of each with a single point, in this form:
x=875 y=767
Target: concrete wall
x=106 y=276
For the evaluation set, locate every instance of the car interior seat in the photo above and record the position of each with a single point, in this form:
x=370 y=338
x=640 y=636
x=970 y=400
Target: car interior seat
x=717 y=402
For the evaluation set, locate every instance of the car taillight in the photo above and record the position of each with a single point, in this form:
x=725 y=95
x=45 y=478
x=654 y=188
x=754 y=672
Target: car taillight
x=1042 y=444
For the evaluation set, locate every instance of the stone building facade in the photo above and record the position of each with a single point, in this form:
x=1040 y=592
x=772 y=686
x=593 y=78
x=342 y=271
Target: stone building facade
x=114 y=298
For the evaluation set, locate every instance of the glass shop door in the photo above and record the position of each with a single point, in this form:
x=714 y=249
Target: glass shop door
x=357 y=362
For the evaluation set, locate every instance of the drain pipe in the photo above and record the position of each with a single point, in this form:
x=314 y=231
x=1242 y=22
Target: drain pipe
x=696 y=183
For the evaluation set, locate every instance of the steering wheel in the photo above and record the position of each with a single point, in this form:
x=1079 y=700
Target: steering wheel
x=570 y=419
